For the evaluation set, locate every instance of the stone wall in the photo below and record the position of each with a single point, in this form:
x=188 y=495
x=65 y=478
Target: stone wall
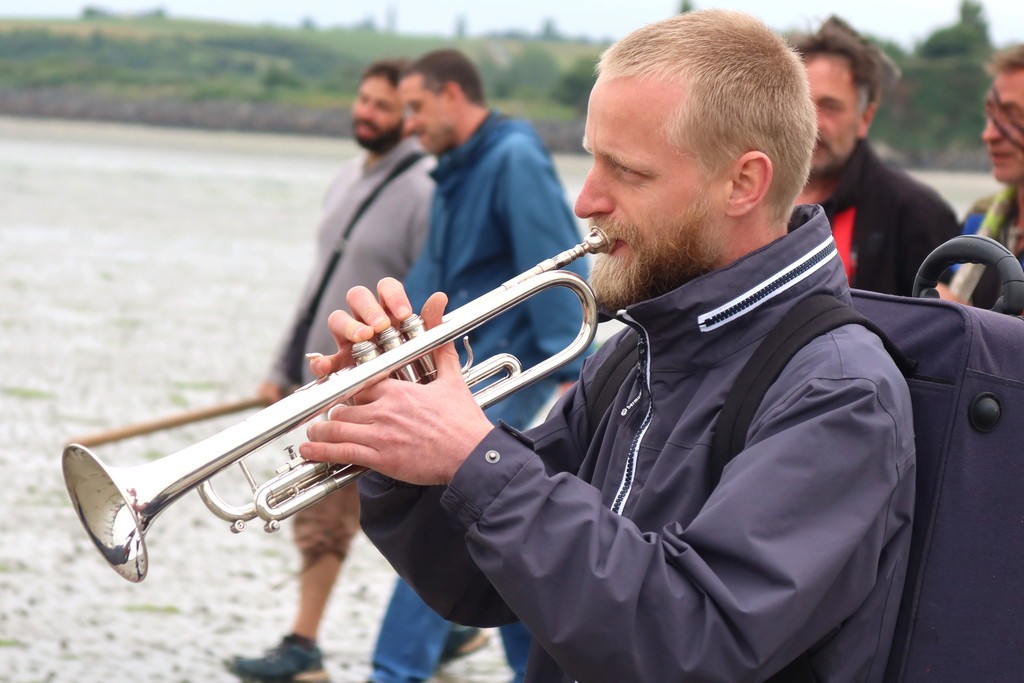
x=242 y=116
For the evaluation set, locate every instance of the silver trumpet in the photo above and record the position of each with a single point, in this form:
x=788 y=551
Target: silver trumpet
x=117 y=505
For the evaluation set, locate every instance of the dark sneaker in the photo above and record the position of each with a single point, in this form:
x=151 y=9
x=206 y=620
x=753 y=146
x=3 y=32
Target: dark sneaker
x=462 y=641
x=289 y=662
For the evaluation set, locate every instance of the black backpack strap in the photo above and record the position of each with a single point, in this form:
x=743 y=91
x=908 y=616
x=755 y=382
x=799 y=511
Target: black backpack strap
x=294 y=354
x=403 y=165
x=609 y=377
x=810 y=318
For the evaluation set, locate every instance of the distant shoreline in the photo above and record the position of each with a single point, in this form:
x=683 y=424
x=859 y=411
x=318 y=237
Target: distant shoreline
x=560 y=137
x=961 y=188
x=252 y=117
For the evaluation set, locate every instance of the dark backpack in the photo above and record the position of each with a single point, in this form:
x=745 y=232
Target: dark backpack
x=961 y=617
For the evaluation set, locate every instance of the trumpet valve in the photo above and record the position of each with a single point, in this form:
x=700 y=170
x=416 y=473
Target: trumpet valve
x=293 y=461
x=411 y=328
x=364 y=351
x=389 y=340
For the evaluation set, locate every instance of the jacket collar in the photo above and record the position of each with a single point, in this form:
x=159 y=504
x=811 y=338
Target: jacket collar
x=862 y=161
x=451 y=161
x=717 y=314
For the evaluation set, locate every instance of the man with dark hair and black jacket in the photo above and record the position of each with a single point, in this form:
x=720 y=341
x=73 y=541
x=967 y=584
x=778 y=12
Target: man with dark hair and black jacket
x=610 y=537
x=885 y=223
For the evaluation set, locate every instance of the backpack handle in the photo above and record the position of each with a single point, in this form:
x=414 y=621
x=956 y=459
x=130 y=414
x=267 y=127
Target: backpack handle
x=975 y=249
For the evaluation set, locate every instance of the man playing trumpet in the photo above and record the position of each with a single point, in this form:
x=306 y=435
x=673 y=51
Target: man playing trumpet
x=606 y=539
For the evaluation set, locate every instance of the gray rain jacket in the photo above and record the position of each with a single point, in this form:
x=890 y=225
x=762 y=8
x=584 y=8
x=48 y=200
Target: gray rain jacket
x=613 y=551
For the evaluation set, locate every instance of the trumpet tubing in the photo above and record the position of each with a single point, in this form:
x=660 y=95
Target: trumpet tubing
x=117 y=505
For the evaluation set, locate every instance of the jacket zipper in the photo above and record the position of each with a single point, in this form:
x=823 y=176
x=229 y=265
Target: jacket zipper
x=811 y=262
x=629 y=472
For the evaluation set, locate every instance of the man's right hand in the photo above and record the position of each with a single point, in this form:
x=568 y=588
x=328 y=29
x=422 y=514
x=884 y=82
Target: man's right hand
x=369 y=318
x=417 y=433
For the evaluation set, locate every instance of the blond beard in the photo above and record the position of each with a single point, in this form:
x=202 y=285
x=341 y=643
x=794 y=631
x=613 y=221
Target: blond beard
x=664 y=255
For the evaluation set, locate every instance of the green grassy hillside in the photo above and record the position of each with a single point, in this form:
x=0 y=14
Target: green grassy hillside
x=932 y=116
x=196 y=60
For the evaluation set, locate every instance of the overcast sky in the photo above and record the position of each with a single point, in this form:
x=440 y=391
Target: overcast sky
x=905 y=21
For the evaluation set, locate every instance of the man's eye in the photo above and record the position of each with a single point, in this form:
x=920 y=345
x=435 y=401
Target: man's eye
x=1004 y=115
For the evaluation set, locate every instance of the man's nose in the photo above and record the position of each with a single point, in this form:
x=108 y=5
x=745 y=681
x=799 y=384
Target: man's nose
x=990 y=133
x=593 y=199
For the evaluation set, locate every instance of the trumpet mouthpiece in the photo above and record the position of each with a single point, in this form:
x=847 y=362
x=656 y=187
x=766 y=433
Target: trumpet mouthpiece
x=597 y=242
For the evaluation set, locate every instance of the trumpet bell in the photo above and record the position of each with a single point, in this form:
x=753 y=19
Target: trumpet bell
x=110 y=514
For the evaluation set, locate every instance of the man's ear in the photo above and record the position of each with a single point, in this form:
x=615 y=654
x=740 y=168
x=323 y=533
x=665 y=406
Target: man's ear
x=865 y=120
x=751 y=176
x=452 y=92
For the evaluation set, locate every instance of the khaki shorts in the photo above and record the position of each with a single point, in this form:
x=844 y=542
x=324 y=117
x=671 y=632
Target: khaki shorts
x=327 y=527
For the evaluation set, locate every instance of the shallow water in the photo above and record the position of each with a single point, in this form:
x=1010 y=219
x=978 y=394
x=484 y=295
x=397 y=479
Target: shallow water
x=143 y=272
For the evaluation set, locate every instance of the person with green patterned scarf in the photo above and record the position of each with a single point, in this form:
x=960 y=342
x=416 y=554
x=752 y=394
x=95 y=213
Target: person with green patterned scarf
x=998 y=216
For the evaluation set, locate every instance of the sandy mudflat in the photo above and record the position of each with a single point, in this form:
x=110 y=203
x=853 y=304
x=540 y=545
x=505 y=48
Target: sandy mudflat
x=142 y=273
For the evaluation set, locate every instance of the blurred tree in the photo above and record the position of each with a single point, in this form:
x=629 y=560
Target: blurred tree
x=391 y=18
x=549 y=31
x=493 y=76
x=967 y=38
x=531 y=73
x=574 y=86
x=936 y=108
x=279 y=76
x=369 y=24
x=686 y=6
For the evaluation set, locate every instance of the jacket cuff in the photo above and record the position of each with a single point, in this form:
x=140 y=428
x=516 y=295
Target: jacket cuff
x=377 y=484
x=485 y=473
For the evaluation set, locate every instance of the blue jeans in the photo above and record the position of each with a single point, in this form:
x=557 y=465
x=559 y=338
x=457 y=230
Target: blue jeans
x=412 y=635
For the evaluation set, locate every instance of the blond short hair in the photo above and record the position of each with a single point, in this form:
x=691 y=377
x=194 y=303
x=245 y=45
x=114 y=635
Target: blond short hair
x=747 y=91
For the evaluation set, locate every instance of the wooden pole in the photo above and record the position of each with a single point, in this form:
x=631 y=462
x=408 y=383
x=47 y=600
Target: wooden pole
x=177 y=420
